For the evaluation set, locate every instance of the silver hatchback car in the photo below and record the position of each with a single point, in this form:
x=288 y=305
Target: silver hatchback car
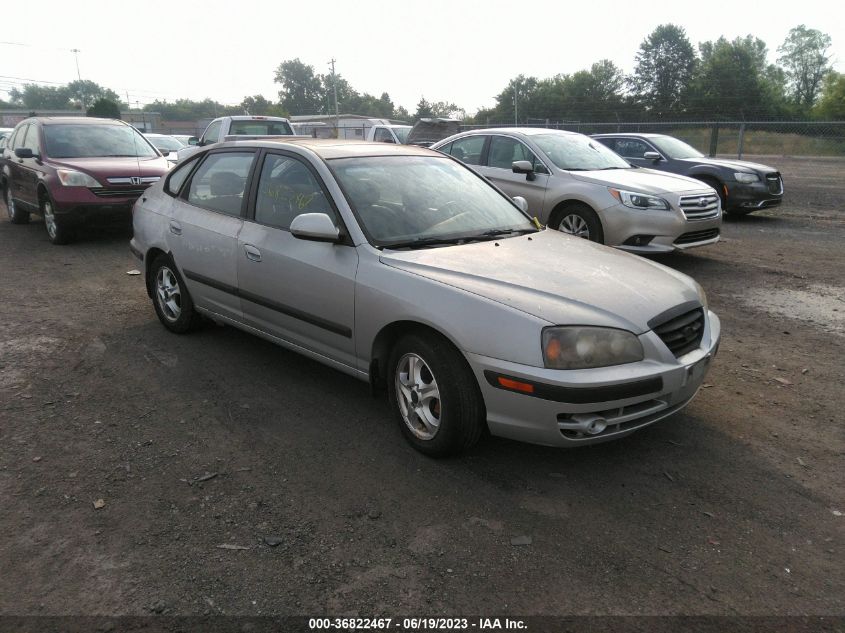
x=577 y=185
x=402 y=267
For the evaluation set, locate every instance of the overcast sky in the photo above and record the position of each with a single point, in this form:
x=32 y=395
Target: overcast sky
x=461 y=51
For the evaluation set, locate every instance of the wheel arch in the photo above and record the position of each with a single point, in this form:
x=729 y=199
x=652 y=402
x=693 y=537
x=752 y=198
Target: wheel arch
x=384 y=341
x=562 y=205
x=149 y=257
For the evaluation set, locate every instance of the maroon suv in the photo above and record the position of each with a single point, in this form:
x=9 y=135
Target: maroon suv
x=73 y=169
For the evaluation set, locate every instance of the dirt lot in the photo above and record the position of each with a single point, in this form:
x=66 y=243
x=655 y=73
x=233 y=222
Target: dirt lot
x=734 y=507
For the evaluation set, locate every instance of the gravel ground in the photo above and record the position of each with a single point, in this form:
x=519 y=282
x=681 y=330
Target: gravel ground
x=143 y=472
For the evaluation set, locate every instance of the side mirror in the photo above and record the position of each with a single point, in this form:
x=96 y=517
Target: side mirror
x=523 y=167
x=521 y=202
x=193 y=141
x=652 y=156
x=317 y=227
x=24 y=152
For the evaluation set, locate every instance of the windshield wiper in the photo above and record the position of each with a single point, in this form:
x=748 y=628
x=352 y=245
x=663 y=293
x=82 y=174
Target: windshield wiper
x=421 y=242
x=606 y=168
x=501 y=232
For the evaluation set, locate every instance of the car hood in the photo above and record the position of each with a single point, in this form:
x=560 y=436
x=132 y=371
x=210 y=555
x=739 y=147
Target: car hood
x=115 y=166
x=640 y=180
x=561 y=279
x=737 y=165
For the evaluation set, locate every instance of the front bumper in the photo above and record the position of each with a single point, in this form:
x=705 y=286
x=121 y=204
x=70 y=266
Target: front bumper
x=656 y=231
x=752 y=196
x=642 y=393
x=81 y=204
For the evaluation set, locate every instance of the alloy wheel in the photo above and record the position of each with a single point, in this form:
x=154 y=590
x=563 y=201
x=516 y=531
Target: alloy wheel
x=574 y=224
x=418 y=396
x=168 y=294
x=50 y=220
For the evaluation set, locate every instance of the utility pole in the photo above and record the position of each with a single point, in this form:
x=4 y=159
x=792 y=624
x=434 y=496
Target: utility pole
x=76 y=52
x=515 y=104
x=336 y=110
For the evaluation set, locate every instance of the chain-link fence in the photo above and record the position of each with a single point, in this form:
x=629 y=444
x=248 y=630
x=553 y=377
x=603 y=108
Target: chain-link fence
x=761 y=138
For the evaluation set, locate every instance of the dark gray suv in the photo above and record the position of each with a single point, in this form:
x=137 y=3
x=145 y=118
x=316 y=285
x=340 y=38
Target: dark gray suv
x=743 y=187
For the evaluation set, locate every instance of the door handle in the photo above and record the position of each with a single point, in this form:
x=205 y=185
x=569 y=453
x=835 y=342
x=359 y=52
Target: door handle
x=252 y=253
x=175 y=228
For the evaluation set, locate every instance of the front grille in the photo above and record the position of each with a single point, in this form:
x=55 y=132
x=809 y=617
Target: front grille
x=103 y=192
x=133 y=180
x=774 y=183
x=683 y=333
x=700 y=207
x=697 y=236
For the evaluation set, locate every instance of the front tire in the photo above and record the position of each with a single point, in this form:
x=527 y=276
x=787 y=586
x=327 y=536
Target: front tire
x=16 y=214
x=579 y=220
x=434 y=395
x=57 y=231
x=172 y=303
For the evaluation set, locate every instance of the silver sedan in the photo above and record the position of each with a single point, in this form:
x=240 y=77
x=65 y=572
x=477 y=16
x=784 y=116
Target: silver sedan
x=577 y=185
x=402 y=267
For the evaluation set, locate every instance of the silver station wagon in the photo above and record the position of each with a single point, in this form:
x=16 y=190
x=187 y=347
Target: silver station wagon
x=404 y=268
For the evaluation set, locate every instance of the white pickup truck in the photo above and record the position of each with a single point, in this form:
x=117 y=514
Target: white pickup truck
x=230 y=128
x=388 y=133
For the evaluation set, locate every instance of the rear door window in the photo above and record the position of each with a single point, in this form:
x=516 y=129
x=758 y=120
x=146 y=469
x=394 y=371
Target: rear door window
x=219 y=183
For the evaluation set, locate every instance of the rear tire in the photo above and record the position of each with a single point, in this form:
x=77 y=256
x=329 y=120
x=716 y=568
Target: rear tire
x=578 y=220
x=172 y=303
x=434 y=395
x=16 y=214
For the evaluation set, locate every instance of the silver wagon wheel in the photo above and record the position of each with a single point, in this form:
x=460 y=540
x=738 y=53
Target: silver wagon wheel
x=168 y=294
x=574 y=224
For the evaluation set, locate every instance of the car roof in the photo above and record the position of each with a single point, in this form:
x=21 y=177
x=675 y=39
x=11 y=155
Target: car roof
x=328 y=148
x=255 y=117
x=79 y=120
x=527 y=131
x=631 y=134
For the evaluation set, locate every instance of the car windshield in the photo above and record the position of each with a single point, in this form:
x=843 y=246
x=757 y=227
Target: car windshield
x=165 y=143
x=405 y=201
x=401 y=133
x=92 y=140
x=260 y=128
x=675 y=148
x=577 y=152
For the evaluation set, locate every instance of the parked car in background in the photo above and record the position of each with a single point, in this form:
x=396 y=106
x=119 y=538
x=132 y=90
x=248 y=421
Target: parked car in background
x=576 y=185
x=226 y=128
x=402 y=267
x=166 y=144
x=74 y=169
x=426 y=132
x=742 y=186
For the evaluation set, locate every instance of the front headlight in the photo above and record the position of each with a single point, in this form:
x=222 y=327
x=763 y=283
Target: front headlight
x=747 y=178
x=635 y=200
x=71 y=178
x=582 y=347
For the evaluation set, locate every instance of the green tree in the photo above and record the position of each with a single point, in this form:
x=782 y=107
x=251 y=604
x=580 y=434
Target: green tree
x=84 y=92
x=831 y=105
x=733 y=80
x=665 y=65
x=105 y=108
x=302 y=91
x=804 y=56
x=258 y=105
x=35 y=97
